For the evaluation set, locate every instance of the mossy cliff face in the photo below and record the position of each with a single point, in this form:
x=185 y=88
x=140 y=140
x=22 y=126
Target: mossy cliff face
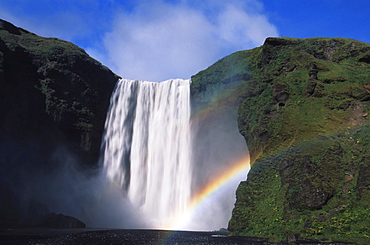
x=53 y=103
x=304 y=115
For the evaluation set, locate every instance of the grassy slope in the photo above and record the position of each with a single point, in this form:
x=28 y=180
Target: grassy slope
x=303 y=115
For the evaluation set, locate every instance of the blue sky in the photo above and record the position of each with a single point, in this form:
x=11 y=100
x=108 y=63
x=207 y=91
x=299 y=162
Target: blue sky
x=161 y=39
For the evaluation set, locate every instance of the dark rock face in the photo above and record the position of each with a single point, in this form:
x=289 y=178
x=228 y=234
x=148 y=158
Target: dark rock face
x=52 y=95
x=51 y=87
x=61 y=221
x=280 y=93
x=363 y=177
x=277 y=41
x=304 y=115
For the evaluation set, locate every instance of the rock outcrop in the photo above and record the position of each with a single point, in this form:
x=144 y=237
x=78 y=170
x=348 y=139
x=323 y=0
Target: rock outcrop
x=52 y=90
x=61 y=221
x=53 y=95
x=304 y=115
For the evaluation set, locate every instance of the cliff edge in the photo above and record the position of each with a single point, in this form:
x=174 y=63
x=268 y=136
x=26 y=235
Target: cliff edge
x=53 y=102
x=303 y=112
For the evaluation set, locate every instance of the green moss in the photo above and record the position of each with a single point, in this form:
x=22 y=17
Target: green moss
x=266 y=217
x=303 y=105
x=330 y=164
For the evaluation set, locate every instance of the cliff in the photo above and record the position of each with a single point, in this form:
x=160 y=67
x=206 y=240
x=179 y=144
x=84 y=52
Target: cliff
x=303 y=112
x=53 y=96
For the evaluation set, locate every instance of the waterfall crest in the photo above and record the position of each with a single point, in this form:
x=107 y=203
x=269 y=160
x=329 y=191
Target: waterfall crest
x=146 y=146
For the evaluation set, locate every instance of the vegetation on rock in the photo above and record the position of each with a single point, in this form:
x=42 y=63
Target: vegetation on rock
x=304 y=115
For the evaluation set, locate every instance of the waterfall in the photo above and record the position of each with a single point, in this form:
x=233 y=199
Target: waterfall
x=146 y=146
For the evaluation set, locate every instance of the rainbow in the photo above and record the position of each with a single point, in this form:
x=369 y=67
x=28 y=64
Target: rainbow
x=239 y=167
x=221 y=100
x=220 y=180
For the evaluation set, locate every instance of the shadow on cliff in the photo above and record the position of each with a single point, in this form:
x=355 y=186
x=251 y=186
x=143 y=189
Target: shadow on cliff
x=53 y=103
x=31 y=192
x=217 y=147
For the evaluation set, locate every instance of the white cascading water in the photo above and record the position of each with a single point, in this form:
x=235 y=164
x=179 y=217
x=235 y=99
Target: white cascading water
x=146 y=146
